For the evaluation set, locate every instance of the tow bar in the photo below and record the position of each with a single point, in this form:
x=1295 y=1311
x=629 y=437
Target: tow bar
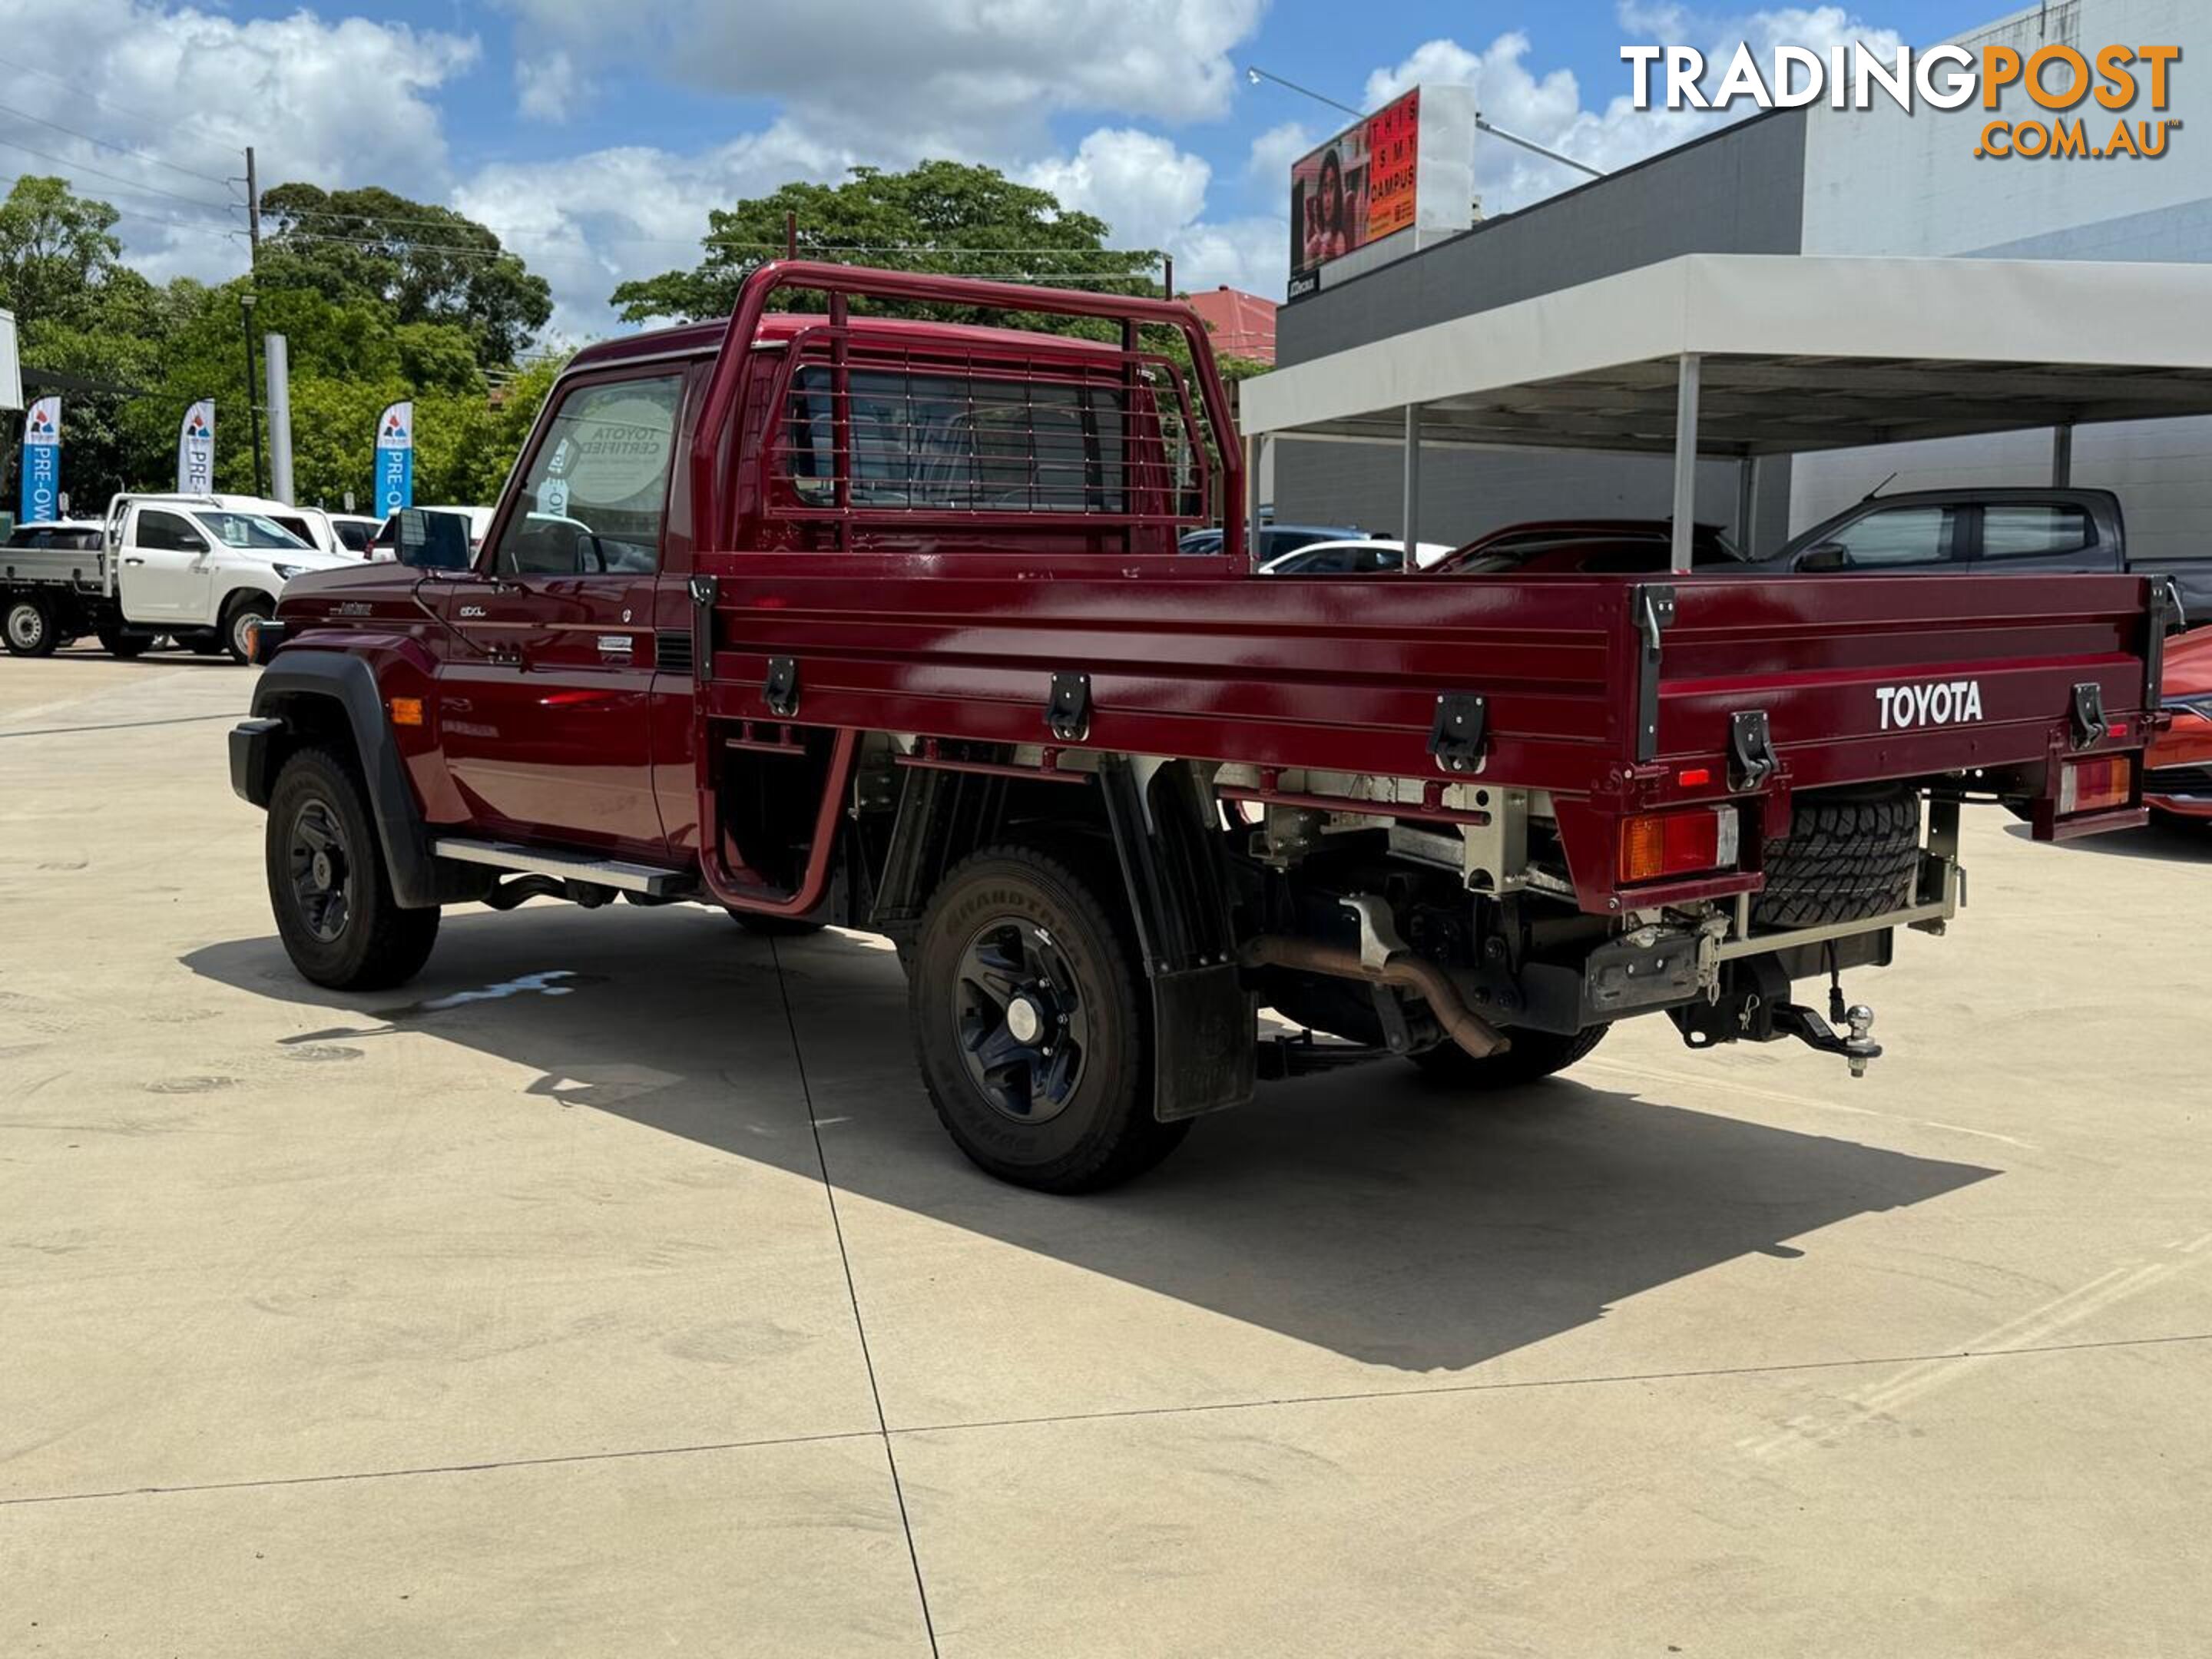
x=1808 y=1028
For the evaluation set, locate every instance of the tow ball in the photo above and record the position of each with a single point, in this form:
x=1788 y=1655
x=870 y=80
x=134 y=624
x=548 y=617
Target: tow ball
x=1808 y=1028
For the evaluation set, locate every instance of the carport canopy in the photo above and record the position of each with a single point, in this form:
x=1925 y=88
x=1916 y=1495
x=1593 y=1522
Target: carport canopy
x=1744 y=355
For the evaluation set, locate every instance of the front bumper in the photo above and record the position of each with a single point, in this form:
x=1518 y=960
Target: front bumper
x=253 y=759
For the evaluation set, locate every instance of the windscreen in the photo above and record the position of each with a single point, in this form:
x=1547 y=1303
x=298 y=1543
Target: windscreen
x=247 y=530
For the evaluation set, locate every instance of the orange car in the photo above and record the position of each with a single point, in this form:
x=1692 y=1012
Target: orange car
x=2180 y=762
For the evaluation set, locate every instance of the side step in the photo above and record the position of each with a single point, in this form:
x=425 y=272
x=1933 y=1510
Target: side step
x=567 y=866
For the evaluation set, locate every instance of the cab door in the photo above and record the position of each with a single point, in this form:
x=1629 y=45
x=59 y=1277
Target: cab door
x=166 y=568
x=545 y=696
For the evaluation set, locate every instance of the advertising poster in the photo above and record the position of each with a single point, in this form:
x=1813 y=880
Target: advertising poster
x=196 y=450
x=395 y=458
x=42 y=460
x=1358 y=187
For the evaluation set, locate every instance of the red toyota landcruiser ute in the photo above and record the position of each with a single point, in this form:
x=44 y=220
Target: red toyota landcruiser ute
x=846 y=618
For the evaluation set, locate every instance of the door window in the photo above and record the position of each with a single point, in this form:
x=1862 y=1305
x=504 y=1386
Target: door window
x=2028 y=528
x=1901 y=535
x=168 y=532
x=595 y=497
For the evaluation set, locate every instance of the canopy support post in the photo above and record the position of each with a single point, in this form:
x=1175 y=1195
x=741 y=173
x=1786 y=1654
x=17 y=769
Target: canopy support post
x=1746 y=503
x=2062 y=455
x=1410 y=528
x=1250 y=505
x=1686 y=460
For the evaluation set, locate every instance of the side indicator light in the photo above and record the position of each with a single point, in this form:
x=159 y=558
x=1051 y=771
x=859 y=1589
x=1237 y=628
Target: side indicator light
x=406 y=711
x=1694 y=777
x=2091 y=786
x=1655 y=845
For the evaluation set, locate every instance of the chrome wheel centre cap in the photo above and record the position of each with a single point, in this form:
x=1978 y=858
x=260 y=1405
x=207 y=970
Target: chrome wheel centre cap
x=1023 y=1022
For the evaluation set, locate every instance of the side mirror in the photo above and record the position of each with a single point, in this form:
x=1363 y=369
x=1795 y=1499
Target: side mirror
x=1828 y=556
x=433 y=541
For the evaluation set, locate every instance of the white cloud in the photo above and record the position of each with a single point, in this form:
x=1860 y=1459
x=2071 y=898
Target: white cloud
x=903 y=79
x=1138 y=182
x=547 y=88
x=588 y=222
x=330 y=103
x=1275 y=150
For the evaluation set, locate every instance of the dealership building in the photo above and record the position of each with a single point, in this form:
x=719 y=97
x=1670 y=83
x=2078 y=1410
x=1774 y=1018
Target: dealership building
x=1879 y=183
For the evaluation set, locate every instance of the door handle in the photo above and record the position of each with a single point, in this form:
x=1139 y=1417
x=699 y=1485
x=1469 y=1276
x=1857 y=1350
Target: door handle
x=134 y=561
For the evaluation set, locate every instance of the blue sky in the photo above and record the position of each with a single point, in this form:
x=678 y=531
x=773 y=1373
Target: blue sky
x=593 y=138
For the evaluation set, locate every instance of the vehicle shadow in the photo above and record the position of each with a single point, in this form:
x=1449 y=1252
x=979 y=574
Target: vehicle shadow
x=1362 y=1212
x=2161 y=839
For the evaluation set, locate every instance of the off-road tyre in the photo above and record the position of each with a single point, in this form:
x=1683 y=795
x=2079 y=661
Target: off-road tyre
x=375 y=943
x=125 y=646
x=1847 y=857
x=1533 y=1056
x=762 y=927
x=30 y=628
x=236 y=614
x=1066 y=919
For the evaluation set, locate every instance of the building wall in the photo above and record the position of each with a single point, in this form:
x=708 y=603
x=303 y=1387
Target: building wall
x=1883 y=182
x=1738 y=192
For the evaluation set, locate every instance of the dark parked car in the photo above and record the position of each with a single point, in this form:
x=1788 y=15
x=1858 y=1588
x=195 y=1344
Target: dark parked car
x=2008 y=530
x=1584 y=544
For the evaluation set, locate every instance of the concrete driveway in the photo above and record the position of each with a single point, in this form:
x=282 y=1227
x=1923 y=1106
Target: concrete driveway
x=612 y=1289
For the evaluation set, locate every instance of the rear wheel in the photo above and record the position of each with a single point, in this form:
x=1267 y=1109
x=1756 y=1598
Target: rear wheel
x=238 y=620
x=1533 y=1055
x=327 y=883
x=30 y=628
x=1031 y=1023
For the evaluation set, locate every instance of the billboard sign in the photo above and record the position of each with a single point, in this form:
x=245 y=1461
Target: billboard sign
x=395 y=458
x=196 y=450
x=1356 y=188
x=1407 y=167
x=42 y=460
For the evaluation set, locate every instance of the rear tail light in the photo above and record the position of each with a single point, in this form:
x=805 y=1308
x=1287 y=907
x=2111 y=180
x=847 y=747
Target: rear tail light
x=1653 y=845
x=2091 y=786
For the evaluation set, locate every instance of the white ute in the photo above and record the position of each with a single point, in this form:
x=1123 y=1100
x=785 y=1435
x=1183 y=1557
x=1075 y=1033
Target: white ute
x=200 y=569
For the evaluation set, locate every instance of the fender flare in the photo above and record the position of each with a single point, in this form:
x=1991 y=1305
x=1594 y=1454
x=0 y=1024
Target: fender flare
x=334 y=677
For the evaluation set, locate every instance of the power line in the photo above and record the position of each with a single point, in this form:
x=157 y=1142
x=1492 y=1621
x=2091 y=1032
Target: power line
x=203 y=226
x=105 y=143
x=165 y=125
x=138 y=185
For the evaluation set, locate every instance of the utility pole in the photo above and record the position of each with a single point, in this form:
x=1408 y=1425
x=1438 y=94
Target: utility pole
x=252 y=214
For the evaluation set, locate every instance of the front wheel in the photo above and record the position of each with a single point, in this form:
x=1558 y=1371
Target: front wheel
x=30 y=628
x=1532 y=1056
x=327 y=883
x=1031 y=1026
x=238 y=625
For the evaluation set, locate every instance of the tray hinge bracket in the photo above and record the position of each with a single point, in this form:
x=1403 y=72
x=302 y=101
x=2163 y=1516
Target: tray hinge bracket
x=1752 y=759
x=782 y=688
x=1068 y=710
x=1457 y=734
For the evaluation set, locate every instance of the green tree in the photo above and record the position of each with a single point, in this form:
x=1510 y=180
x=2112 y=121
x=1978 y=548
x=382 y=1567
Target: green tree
x=57 y=251
x=428 y=263
x=942 y=216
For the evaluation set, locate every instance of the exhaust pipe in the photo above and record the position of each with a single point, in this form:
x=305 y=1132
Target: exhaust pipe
x=1416 y=974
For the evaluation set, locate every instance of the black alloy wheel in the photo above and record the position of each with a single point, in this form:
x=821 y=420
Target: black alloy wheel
x=322 y=869
x=1025 y=1029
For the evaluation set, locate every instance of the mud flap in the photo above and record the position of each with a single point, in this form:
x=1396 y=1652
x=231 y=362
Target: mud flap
x=1204 y=1053
x=1204 y=1057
